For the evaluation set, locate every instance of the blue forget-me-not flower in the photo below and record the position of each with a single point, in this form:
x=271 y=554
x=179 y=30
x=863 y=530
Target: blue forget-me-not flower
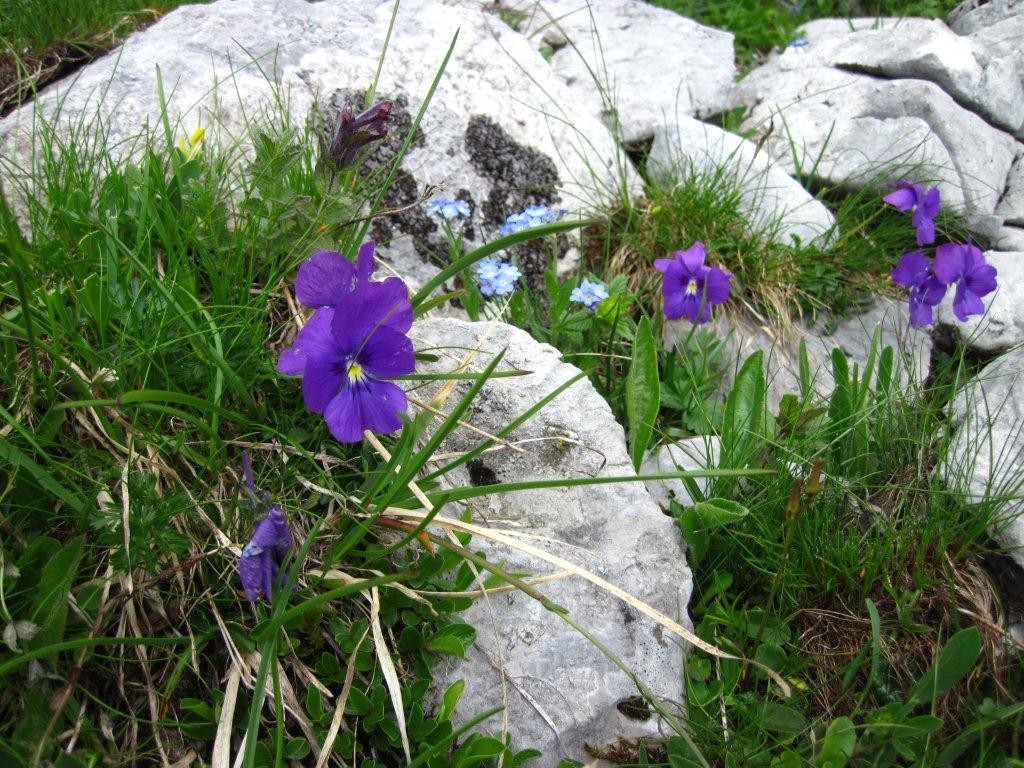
x=589 y=294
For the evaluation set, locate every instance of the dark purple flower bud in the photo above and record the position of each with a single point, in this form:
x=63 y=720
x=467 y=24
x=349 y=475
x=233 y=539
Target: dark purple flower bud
x=914 y=271
x=965 y=265
x=356 y=131
x=261 y=559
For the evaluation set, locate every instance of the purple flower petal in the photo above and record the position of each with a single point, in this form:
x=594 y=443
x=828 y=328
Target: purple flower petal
x=365 y=263
x=284 y=536
x=250 y=571
x=931 y=291
x=662 y=265
x=371 y=306
x=981 y=280
x=674 y=305
x=920 y=314
x=717 y=285
x=691 y=307
x=322 y=380
x=909 y=268
x=314 y=339
x=387 y=353
x=692 y=259
x=950 y=261
x=324 y=279
x=925 y=229
x=370 y=404
x=966 y=303
x=904 y=198
x=929 y=203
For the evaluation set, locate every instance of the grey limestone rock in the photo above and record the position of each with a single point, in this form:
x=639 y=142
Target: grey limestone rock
x=695 y=453
x=985 y=458
x=502 y=130
x=973 y=15
x=1002 y=325
x=562 y=692
x=818 y=30
x=848 y=110
x=1011 y=205
x=974 y=76
x=852 y=334
x=653 y=64
x=774 y=201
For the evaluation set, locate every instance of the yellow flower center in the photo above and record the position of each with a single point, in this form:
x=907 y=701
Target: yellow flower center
x=355 y=373
x=691 y=288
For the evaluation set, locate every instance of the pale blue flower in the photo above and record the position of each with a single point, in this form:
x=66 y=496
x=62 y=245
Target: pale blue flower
x=531 y=216
x=800 y=42
x=496 y=277
x=449 y=210
x=589 y=294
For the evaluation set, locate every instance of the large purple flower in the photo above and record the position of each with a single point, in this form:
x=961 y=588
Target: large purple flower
x=924 y=207
x=964 y=264
x=347 y=350
x=914 y=271
x=690 y=288
x=262 y=557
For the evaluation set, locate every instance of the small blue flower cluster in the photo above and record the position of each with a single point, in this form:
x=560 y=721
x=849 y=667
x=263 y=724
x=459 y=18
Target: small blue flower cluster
x=589 y=294
x=532 y=216
x=496 y=277
x=449 y=210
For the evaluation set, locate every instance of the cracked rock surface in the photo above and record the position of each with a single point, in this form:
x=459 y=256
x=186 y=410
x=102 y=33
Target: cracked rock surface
x=563 y=693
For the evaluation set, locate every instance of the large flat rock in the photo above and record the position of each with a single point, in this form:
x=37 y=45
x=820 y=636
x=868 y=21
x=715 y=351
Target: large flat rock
x=985 y=458
x=871 y=106
x=562 y=691
x=501 y=129
x=652 y=64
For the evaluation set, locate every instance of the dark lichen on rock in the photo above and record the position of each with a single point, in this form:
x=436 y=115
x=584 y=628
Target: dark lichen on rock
x=519 y=175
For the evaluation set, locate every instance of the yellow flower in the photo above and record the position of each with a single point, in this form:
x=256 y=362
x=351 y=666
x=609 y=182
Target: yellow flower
x=191 y=146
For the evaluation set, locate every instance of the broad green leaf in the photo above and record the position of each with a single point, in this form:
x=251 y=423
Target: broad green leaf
x=451 y=699
x=838 y=745
x=779 y=717
x=716 y=512
x=743 y=423
x=956 y=660
x=51 y=607
x=643 y=392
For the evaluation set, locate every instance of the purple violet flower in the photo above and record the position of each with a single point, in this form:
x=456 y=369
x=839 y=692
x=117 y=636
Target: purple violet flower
x=354 y=132
x=351 y=345
x=915 y=271
x=690 y=288
x=964 y=264
x=925 y=207
x=261 y=558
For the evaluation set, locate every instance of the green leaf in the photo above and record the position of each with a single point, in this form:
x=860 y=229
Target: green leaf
x=716 y=512
x=955 y=662
x=483 y=747
x=451 y=699
x=643 y=392
x=779 y=717
x=742 y=425
x=838 y=745
x=453 y=646
x=51 y=606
